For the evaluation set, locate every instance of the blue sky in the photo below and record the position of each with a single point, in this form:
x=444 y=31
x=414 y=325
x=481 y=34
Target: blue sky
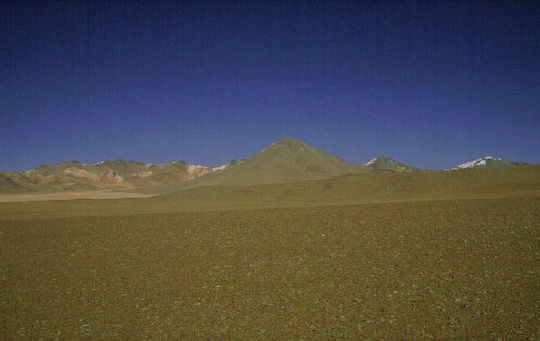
x=431 y=84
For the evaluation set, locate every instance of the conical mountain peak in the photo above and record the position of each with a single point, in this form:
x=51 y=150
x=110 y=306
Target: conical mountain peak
x=286 y=160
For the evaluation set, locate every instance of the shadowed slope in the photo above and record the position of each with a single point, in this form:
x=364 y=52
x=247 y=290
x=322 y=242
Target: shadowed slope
x=8 y=185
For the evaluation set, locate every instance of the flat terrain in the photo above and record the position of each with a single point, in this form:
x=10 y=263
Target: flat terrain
x=450 y=269
x=69 y=195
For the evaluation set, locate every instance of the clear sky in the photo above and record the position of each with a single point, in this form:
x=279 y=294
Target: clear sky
x=430 y=83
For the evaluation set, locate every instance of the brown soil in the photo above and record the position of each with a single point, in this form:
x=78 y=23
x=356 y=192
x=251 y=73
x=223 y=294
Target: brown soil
x=455 y=269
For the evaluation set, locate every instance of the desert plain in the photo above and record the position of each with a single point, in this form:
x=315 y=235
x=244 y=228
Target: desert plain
x=280 y=261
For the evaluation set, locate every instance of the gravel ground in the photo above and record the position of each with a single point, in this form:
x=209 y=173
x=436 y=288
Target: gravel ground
x=463 y=269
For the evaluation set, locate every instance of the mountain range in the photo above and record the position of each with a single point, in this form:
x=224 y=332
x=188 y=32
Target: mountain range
x=285 y=161
x=115 y=174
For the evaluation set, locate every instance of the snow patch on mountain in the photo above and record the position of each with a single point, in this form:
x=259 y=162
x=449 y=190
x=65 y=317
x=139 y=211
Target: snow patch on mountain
x=219 y=168
x=477 y=163
x=192 y=168
x=370 y=162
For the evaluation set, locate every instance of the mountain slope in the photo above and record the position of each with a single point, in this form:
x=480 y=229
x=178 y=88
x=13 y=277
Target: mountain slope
x=9 y=185
x=287 y=160
x=385 y=162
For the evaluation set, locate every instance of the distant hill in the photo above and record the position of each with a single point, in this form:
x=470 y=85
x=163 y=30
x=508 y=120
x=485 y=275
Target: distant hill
x=286 y=160
x=384 y=162
x=490 y=162
x=370 y=187
x=114 y=174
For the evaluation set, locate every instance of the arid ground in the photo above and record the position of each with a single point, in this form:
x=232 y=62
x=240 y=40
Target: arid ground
x=75 y=195
x=444 y=269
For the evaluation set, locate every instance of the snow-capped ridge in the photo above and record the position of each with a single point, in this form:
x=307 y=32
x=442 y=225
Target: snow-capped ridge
x=477 y=163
